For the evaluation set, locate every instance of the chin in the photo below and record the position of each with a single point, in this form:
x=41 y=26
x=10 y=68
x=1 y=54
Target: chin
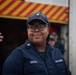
x=37 y=41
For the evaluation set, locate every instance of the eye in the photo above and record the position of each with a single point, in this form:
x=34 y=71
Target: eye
x=31 y=26
x=41 y=26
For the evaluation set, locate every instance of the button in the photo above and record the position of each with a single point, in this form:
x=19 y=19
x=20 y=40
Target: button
x=28 y=44
x=37 y=14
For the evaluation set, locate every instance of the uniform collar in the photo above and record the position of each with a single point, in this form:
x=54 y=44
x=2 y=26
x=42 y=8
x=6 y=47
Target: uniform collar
x=29 y=44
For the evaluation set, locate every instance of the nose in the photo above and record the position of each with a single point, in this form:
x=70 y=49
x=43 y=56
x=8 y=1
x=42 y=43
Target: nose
x=36 y=29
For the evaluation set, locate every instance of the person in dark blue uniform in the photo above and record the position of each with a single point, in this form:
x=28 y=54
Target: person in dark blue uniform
x=36 y=56
x=58 y=44
x=51 y=40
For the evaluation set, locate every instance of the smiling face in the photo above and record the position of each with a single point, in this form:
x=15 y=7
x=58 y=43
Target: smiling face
x=39 y=35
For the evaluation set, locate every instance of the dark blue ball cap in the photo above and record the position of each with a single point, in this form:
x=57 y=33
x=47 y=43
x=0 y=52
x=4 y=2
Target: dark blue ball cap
x=52 y=38
x=54 y=34
x=39 y=16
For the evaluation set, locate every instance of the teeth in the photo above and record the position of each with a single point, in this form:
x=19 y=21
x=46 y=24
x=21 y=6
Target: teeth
x=35 y=35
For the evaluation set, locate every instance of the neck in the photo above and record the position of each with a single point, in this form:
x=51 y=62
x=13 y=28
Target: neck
x=41 y=48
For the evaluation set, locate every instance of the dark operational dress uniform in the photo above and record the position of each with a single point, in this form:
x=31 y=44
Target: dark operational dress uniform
x=27 y=60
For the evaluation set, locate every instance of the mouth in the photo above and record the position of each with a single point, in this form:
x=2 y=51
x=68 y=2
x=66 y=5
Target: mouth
x=37 y=36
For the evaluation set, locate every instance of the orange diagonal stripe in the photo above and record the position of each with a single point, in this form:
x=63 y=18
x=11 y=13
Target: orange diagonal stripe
x=28 y=9
x=20 y=8
x=11 y=7
x=58 y=13
x=52 y=11
x=5 y=4
x=38 y=8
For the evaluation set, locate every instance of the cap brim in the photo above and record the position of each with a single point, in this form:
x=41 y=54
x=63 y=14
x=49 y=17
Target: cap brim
x=36 y=19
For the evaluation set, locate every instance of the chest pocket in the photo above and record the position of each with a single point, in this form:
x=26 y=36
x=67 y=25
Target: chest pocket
x=61 y=66
x=33 y=67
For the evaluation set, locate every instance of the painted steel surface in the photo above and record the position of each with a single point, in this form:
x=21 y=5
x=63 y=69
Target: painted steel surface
x=21 y=10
